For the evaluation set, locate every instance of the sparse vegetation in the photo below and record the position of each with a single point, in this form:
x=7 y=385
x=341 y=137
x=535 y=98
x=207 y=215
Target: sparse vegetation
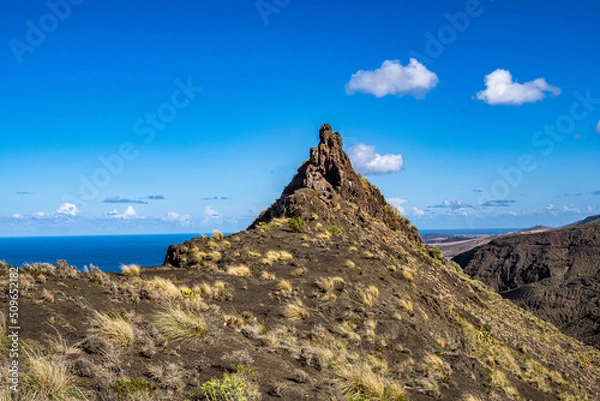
x=436 y=253
x=181 y=325
x=361 y=383
x=275 y=256
x=218 y=235
x=284 y=286
x=369 y=295
x=295 y=311
x=48 y=378
x=239 y=270
x=296 y=224
x=232 y=387
x=130 y=270
x=114 y=327
x=300 y=271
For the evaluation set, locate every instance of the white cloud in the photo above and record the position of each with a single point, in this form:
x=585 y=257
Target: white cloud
x=394 y=79
x=597 y=128
x=41 y=215
x=453 y=205
x=397 y=203
x=129 y=214
x=174 y=217
x=68 y=209
x=210 y=216
x=17 y=216
x=366 y=161
x=417 y=212
x=502 y=90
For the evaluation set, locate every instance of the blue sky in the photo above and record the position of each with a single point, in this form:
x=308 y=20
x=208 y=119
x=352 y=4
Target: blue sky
x=184 y=116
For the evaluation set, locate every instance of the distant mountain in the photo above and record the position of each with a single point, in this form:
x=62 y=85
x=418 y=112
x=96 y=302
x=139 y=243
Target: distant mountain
x=587 y=220
x=555 y=274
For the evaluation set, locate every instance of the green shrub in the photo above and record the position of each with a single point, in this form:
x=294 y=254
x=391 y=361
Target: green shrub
x=231 y=387
x=334 y=229
x=262 y=226
x=296 y=224
x=436 y=253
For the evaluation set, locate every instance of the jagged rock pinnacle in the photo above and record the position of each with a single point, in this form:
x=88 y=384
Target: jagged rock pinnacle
x=327 y=185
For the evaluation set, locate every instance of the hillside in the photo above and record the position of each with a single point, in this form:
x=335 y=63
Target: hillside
x=328 y=295
x=555 y=275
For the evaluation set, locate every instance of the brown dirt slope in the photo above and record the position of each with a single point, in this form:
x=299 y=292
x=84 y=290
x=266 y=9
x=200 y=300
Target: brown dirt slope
x=322 y=298
x=555 y=275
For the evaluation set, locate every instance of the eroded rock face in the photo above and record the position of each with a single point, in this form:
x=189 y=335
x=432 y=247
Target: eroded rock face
x=328 y=186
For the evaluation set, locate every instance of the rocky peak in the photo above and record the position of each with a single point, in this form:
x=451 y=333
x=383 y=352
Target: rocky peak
x=327 y=185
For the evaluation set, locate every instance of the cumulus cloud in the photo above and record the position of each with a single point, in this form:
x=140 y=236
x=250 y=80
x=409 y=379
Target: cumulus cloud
x=67 y=209
x=117 y=199
x=392 y=78
x=417 y=212
x=452 y=205
x=17 y=216
x=174 y=217
x=366 y=161
x=397 y=203
x=129 y=214
x=40 y=215
x=502 y=90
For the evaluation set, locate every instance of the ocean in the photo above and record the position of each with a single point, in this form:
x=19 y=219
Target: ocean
x=109 y=252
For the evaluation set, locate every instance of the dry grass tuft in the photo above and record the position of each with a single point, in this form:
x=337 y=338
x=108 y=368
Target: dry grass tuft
x=408 y=274
x=276 y=256
x=369 y=295
x=361 y=383
x=406 y=305
x=113 y=327
x=47 y=378
x=284 y=286
x=265 y=275
x=350 y=264
x=165 y=287
x=239 y=270
x=295 y=311
x=181 y=325
x=300 y=271
x=130 y=270
x=218 y=235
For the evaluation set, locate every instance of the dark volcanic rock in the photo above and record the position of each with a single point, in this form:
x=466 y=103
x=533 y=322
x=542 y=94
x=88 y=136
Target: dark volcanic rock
x=554 y=274
x=327 y=184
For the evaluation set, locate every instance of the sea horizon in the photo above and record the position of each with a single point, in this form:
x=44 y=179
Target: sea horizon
x=109 y=251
